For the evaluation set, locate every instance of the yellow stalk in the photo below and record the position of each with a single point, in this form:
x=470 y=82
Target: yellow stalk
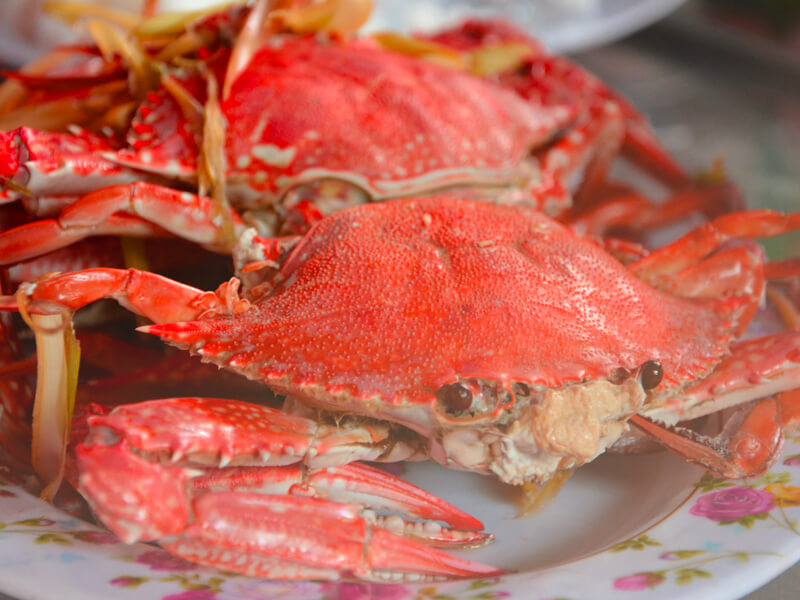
x=336 y=16
x=787 y=311
x=119 y=117
x=535 y=497
x=212 y=169
x=186 y=43
x=58 y=358
x=716 y=174
x=72 y=12
x=246 y=45
x=191 y=109
x=112 y=42
x=498 y=58
x=6 y=183
x=430 y=51
x=171 y=23
x=133 y=253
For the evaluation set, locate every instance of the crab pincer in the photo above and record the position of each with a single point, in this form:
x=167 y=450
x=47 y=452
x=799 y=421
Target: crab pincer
x=266 y=507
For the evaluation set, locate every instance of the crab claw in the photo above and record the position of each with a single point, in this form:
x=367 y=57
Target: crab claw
x=294 y=537
x=366 y=485
x=747 y=446
x=147 y=479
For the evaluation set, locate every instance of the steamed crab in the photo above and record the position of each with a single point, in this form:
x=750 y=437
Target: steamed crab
x=484 y=337
x=248 y=107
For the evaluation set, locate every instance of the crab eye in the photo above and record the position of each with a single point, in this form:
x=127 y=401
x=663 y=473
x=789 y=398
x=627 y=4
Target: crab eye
x=650 y=374
x=454 y=397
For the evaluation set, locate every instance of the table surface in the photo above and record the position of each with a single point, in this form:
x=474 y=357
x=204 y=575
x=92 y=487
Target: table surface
x=708 y=99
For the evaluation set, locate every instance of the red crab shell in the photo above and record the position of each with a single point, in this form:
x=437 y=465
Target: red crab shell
x=387 y=303
x=384 y=121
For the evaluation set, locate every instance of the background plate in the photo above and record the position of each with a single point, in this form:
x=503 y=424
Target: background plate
x=564 y=25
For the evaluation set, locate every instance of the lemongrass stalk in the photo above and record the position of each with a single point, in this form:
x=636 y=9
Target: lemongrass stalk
x=58 y=357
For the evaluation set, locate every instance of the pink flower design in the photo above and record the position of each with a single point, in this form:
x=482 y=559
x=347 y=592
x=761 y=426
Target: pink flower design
x=7 y=494
x=158 y=560
x=792 y=461
x=96 y=537
x=365 y=591
x=258 y=590
x=640 y=581
x=732 y=504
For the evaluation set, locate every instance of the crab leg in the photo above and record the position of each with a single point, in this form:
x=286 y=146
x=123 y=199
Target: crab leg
x=244 y=511
x=156 y=297
x=106 y=212
x=545 y=79
x=626 y=208
x=589 y=148
x=747 y=446
x=756 y=369
x=41 y=237
x=700 y=242
x=639 y=145
x=48 y=163
x=753 y=436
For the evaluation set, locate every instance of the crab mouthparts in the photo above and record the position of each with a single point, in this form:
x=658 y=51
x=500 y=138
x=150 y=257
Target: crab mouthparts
x=548 y=431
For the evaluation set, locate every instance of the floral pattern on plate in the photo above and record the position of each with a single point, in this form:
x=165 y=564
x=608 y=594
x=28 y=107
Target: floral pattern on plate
x=726 y=539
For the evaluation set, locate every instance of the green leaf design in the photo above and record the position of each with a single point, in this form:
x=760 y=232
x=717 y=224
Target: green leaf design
x=709 y=483
x=479 y=583
x=53 y=538
x=687 y=553
x=748 y=520
x=37 y=522
x=639 y=543
x=741 y=556
x=771 y=478
x=684 y=576
x=194 y=586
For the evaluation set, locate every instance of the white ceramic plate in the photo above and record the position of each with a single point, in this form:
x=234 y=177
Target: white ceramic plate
x=624 y=527
x=564 y=25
